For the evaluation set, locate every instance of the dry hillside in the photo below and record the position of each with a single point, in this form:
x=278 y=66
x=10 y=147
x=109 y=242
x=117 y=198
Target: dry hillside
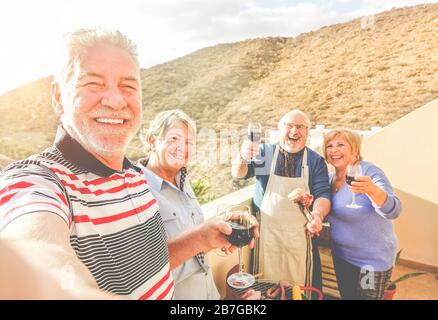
x=340 y=75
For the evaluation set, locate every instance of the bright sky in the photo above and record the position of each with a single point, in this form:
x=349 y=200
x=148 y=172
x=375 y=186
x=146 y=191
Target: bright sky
x=30 y=31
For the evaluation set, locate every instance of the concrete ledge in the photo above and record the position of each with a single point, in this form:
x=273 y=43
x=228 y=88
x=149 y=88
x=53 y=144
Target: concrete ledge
x=242 y=196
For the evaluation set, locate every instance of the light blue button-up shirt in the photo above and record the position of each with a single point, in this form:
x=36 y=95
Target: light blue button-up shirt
x=180 y=211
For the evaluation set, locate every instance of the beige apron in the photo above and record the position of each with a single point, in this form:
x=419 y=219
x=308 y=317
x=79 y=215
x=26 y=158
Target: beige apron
x=285 y=248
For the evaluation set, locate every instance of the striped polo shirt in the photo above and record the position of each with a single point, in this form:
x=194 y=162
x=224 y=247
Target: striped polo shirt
x=115 y=226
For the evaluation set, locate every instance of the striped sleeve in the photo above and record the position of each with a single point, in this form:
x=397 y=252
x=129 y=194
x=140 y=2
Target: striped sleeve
x=27 y=190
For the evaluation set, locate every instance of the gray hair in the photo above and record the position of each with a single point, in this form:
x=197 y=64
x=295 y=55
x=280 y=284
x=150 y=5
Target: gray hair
x=166 y=120
x=295 y=111
x=78 y=41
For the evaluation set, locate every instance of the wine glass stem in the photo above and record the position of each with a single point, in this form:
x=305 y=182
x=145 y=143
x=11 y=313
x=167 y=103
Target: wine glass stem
x=240 y=260
x=353 y=198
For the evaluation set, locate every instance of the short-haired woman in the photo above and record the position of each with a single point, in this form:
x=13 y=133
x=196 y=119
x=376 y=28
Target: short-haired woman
x=170 y=140
x=364 y=241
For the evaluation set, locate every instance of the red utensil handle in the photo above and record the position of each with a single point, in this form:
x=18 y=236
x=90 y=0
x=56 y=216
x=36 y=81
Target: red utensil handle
x=319 y=293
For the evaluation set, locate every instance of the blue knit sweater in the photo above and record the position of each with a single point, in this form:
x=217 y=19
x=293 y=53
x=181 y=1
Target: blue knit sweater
x=365 y=236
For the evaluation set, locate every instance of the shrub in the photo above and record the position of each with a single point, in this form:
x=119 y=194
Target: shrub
x=201 y=188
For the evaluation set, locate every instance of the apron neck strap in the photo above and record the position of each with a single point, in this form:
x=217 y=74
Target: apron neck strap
x=274 y=159
x=304 y=163
x=305 y=170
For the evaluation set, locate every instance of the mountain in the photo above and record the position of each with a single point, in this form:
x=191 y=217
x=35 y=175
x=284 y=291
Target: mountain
x=4 y=161
x=341 y=75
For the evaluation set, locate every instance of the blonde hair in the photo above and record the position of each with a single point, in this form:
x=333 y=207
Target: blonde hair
x=352 y=137
x=77 y=42
x=166 y=120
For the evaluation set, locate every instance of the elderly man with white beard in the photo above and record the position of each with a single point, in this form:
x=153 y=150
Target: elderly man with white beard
x=288 y=247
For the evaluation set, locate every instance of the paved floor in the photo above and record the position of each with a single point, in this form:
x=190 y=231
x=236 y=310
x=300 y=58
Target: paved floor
x=424 y=287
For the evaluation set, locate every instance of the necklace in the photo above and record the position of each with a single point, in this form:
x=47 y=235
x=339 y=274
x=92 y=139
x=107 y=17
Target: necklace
x=338 y=184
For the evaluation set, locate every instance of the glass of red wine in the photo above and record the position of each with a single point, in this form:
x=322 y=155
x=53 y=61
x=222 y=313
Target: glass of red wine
x=222 y=210
x=254 y=133
x=353 y=171
x=242 y=234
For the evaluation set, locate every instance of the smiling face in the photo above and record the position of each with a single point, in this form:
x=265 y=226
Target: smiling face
x=100 y=106
x=293 y=131
x=175 y=148
x=339 y=152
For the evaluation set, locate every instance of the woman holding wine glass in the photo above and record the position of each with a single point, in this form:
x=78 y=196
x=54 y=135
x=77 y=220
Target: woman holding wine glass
x=363 y=205
x=170 y=142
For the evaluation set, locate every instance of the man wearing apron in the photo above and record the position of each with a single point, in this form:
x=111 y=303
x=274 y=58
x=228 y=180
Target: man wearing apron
x=288 y=248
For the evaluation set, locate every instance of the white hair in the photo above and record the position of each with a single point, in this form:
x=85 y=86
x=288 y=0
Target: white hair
x=293 y=112
x=77 y=42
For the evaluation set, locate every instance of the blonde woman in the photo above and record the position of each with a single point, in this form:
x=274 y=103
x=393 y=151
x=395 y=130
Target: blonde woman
x=364 y=241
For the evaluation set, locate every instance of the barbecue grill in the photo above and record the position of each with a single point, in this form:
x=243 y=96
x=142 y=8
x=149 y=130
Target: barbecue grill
x=262 y=286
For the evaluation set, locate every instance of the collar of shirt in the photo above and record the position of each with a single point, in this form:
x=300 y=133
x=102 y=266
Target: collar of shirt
x=290 y=154
x=72 y=151
x=156 y=182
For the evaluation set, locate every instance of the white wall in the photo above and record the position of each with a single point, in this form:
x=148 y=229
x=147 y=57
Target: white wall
x=407 y=150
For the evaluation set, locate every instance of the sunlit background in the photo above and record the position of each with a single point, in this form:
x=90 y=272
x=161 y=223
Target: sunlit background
x=30 y=31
